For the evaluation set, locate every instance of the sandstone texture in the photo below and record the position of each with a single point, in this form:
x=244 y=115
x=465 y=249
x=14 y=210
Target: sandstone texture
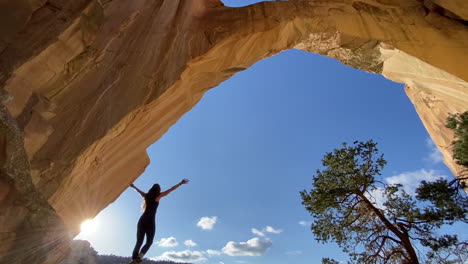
x=87 y=85
x=81 y=253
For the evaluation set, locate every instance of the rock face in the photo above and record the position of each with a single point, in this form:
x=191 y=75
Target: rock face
x=87 y=85
x=81 y=253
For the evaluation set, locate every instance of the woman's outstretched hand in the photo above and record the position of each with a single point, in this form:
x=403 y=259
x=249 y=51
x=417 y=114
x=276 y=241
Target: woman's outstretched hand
x=184 y=181
x=132 y=185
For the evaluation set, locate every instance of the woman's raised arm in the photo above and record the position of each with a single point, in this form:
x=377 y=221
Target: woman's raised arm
x=184 y=181
x=138 y=190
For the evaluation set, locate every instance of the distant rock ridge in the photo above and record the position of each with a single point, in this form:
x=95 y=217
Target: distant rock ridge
x=83 y=253
x=87 y=85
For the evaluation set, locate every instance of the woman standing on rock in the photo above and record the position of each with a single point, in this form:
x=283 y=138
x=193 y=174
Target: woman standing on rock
x=146 y=224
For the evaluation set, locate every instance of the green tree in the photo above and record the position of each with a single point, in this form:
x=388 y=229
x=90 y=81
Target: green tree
x=329 y=261
x=345 y=210
x=459 y=124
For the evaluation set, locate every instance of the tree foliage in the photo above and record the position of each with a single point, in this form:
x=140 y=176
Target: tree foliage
x=329 y=261
x=459 y=124
x=345 y=210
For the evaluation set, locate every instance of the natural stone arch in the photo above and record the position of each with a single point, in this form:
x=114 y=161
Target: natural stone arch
x=99 y=89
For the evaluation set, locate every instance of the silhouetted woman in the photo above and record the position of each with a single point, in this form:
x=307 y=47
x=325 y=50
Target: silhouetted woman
x=146 y=224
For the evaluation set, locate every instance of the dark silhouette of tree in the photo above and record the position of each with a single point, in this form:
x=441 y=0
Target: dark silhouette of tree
x=329 y=261
x=113 y=259
x=345 y=210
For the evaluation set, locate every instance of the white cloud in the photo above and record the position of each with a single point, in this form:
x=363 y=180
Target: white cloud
x=377 y=197
x=270 y=229
x=207 y=223
x=253 y=247
x=267 y=229
x=213 y=252
x=168 y=242
x=435 y=156
x=294 y=252
x=182 y=256
x=305 y=223
x=257 y=232
x=190 y=243
x=410 y=180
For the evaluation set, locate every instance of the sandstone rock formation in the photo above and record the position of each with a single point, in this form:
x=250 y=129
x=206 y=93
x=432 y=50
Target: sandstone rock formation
x=87 y=85
x=81 y=253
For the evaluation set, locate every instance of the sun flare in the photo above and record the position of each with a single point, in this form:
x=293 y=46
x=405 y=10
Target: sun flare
x=89 y=226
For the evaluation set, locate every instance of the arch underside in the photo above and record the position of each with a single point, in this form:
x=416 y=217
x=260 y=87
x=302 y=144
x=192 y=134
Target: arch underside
x=84 y=99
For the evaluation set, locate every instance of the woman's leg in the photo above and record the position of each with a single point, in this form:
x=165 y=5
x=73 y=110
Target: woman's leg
x=150 y=231
x=139 y=241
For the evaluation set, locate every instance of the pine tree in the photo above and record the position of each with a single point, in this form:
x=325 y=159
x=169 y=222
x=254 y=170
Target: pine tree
x=344 y=209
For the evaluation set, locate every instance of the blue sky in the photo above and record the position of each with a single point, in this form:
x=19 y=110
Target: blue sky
x=250 y=146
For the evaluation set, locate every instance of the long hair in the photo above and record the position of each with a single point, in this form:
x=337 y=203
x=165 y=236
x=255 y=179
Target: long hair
x=154 y=192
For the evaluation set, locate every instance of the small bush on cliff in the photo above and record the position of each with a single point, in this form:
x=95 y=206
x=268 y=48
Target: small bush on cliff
x=344 y=209
x=459 y=124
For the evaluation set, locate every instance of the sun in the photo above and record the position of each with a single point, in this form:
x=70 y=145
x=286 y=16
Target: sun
x=89 y=226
